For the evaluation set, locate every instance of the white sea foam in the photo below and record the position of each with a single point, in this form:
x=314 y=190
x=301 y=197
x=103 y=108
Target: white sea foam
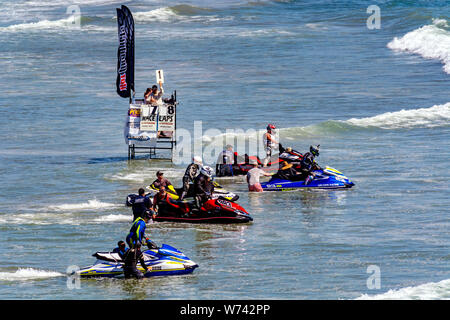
x=23 y=274
x=430 y=41
x=171 y=14
x=438 y=115
x=147 y=176
x=113 y=218
x=89 y=205
x=42 y=25
x=428 y=291
x=67 y=24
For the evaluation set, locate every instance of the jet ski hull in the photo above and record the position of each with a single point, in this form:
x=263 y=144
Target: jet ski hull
x=213 y=211
x=165 y=261
x=328 y=178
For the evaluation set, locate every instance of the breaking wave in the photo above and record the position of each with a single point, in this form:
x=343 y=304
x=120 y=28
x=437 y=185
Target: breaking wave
x=67 y=24
x=23 y=274
x=428 y=291
x=436 y=116
x=89 y=205
x=179 y=13
x=430 y=41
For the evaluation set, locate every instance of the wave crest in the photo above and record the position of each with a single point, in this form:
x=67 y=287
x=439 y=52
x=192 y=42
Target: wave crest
x=438 y=115
x=430 y=41
x=428 y=291
x=23 y=274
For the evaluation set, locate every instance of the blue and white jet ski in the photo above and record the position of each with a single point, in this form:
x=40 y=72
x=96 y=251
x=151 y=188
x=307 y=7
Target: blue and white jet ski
x=328 y=178
x=164 y=261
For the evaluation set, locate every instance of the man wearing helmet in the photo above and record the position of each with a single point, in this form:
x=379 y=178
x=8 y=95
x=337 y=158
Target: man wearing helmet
x=269 y=143
x=203 y=186
x=191 y=172
x=308 y=164
x=137 y=230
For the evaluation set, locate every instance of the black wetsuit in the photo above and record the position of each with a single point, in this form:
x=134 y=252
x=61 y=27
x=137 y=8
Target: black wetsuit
x=308 y=165
x=140 y=205
x=203 y=189
x=189 y=176
x=130 y=259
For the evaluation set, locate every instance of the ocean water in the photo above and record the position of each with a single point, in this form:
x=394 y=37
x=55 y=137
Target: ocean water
x=376 y=100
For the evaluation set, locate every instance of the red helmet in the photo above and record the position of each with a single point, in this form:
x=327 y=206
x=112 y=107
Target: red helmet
x=270 y=127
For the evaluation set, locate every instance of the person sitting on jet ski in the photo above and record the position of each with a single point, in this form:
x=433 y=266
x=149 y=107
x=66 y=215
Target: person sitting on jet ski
x=287 y=172
x=137 y=231
x=161 y=181
x=190 y=174
x=130 y=259
x=140 y=204
x=121 y=248
x=308 y=164
x=203 y=186
x=162 y=198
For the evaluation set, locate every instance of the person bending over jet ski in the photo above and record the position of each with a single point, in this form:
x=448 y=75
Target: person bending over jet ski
x=191 y=172
x=130 y=259
x=308 y=164
x=137 y=232
x=203 y=186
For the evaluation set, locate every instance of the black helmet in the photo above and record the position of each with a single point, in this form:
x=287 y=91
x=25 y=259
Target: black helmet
x=314 y=150
x=147 y=214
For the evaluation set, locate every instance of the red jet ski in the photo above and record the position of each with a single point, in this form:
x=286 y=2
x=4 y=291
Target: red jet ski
x=213 y=211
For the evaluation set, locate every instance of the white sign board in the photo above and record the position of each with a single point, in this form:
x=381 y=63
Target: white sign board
x=159 y=76
x=146 y=122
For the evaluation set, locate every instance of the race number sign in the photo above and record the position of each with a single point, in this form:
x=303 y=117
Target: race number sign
x=159 y=76
x=166 y=118
x=149 y=118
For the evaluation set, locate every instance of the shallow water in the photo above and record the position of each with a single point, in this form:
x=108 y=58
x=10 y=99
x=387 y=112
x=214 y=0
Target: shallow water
x=379 y=108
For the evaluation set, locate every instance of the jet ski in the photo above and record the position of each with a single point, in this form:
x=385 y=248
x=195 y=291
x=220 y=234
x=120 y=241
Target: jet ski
x=218 y=210
x=328 y=178
x=242 y=164
x=165 y=261
x=219 y=192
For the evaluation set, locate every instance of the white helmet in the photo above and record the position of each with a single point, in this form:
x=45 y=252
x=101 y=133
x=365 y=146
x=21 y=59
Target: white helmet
x=207 y=171
x=197 y=160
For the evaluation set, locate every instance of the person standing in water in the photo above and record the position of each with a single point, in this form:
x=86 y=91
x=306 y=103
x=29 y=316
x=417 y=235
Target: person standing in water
x=269 y=143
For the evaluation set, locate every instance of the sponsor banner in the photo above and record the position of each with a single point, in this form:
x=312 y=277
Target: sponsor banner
x=146 y=122
x=125 y=53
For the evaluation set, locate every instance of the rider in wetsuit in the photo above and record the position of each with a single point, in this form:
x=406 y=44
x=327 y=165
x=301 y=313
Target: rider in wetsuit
x=130 y=259
x=308 y=163
x=137 y=231
x=270 y=143
x=140 y=204
x=203 y=186
x=190 y=174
